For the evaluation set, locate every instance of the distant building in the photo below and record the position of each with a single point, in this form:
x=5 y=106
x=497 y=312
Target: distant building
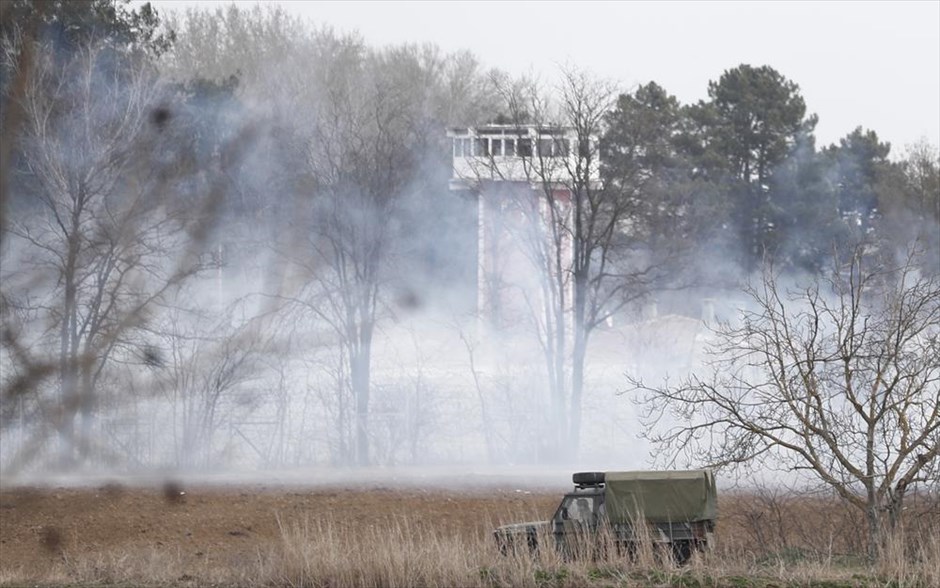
x=511 y=170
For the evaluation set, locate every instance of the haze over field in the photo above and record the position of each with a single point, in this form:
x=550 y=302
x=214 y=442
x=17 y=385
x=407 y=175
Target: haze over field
x=233 y=239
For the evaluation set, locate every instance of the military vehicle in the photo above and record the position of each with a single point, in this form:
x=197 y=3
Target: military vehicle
x=674 y=510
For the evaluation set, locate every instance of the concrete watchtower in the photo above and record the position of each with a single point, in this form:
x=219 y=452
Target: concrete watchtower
x=511 y=171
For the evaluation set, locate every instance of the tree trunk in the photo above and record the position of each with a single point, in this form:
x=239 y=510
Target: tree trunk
x=578 y=354
x=360 y=368
x=342 y=417
x=561 y=422
x=874 y=530
x=873 y=504
x=66 y=414
x=86 y=410
x=68 y=364
x=895 y=509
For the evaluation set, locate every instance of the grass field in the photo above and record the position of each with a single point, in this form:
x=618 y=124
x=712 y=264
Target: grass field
x=336 y=537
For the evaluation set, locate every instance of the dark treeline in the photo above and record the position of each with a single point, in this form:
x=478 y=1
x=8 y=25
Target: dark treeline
x=200 y=210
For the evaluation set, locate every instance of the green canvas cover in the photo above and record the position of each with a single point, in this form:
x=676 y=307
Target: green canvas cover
x=686 y=496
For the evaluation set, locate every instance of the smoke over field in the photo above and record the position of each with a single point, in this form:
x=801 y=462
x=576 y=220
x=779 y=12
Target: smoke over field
x=255 y=269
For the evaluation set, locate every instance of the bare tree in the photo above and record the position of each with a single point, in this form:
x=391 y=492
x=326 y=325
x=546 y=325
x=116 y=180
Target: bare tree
x=909 y=203
x=551 y=204
x=97 y=229
x=590 y=229
x=202 y=370
x=353 y=129
x=839 y=378
x=101 y=233
x=360 y=165
x=222 y=41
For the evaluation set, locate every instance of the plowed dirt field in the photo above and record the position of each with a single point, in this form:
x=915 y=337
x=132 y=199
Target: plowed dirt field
x=41 y=527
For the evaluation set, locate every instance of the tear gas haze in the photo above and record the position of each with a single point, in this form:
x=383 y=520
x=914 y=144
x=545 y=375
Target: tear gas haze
x=252 y=254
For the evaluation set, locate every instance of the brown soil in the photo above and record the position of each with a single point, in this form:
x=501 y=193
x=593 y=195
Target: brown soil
x=42 y=527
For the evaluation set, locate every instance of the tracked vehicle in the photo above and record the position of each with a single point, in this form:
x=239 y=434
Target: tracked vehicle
x=674 y=510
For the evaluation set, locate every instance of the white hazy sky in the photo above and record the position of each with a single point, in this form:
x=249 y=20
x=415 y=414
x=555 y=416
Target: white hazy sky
x=874 y=64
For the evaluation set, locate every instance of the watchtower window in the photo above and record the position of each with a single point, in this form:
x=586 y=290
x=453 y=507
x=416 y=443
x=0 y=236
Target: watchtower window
x=545 y=147
x=549 y=144
x=496 y=147
x=524 y=148
x=463 y=147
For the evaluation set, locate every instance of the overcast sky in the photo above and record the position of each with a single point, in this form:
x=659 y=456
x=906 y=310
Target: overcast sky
x=875 y=64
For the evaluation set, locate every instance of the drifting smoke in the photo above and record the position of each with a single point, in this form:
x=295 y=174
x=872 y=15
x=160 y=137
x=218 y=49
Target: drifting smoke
x=276 y=169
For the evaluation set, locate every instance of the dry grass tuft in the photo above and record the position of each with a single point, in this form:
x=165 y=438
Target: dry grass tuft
x=904 y=564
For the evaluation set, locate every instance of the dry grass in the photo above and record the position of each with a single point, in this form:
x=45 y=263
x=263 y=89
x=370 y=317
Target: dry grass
x=403 y=546
x=326 y=553
x=322 y=553
x=907 y=566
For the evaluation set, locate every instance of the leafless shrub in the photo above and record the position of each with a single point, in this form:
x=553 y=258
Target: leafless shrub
x=838 y=378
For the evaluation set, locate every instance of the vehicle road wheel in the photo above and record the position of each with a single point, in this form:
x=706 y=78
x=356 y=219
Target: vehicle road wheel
x=682 y=552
